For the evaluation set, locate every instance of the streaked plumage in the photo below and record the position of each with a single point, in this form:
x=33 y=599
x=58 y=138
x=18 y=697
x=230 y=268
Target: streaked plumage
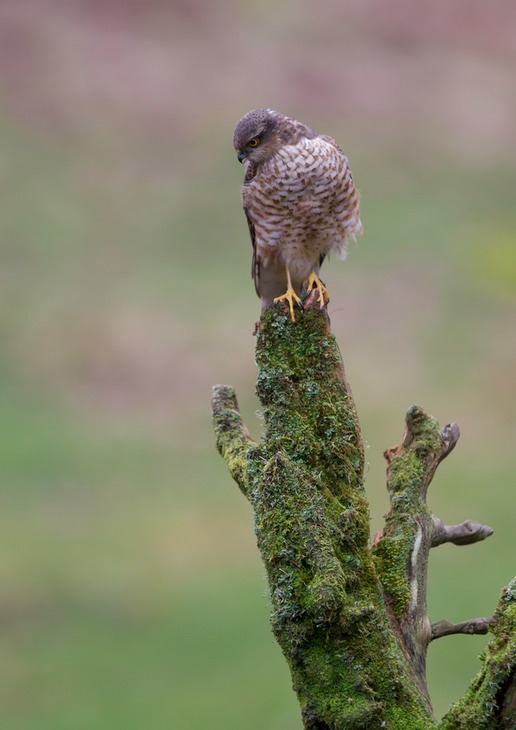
x=299 y=200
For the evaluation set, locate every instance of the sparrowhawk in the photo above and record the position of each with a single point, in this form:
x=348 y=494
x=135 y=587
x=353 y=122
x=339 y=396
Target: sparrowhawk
x=300 y=202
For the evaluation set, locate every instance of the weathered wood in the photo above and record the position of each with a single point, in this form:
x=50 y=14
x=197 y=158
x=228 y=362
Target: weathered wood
x=473 y=626
x=466 y=533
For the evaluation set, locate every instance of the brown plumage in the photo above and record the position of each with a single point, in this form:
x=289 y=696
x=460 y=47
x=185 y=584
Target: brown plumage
x=299 y=200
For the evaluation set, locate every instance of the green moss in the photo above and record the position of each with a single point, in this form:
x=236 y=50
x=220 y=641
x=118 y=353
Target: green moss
x=308 y=411
x=233 y=443
x=391 y=556
x=408 y=475
x=425 y=433
x=405 y=477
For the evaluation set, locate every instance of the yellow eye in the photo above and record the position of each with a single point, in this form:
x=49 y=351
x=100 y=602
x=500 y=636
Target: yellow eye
x=254 y=142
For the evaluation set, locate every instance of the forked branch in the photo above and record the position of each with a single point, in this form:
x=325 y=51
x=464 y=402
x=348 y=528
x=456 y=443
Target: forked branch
x=351 y=620
x=402 y=549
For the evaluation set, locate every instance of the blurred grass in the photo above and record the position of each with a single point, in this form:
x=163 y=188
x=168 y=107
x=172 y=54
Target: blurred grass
x=132 y=593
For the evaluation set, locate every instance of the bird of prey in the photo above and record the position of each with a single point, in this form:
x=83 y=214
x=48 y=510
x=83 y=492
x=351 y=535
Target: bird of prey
x=300 y=203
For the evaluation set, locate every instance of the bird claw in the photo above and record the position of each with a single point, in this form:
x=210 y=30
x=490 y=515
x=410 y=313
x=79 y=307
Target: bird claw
x=313 y=282
x=290 y=296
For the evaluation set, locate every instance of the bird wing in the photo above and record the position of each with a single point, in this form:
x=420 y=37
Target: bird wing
x=255 y=265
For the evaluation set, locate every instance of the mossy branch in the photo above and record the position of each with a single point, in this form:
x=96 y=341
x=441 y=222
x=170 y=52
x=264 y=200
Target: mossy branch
x=232 y=437
x=401 y=552
x=401 y=549
x=490 y=701
x=350 y=620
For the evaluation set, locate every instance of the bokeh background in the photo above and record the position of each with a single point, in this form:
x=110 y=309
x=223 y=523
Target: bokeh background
x=132 y=595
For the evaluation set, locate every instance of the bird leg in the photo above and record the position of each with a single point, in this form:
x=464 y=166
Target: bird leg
x=313 y=282
x=290 y=296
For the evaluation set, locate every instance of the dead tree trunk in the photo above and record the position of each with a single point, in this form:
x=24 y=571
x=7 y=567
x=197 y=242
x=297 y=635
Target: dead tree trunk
x=351 y=618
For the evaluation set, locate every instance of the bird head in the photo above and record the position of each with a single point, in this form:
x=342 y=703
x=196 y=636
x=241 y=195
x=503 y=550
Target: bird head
x=256 y=139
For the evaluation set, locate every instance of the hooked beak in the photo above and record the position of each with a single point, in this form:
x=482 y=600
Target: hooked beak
x=241 y=156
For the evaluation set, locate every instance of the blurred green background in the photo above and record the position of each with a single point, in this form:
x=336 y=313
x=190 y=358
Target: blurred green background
x=132 y=594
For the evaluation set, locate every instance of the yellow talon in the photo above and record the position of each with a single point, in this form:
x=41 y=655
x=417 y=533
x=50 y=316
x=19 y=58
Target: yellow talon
x=313 y=282
x=290 y=296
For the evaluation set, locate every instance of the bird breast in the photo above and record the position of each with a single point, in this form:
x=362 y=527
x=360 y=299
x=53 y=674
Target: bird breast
x=303 y=204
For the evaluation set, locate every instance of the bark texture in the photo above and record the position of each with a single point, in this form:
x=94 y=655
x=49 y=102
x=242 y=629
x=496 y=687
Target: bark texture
x=350 y=619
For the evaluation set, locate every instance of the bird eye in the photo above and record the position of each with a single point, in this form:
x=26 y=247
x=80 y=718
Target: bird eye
x=254 y=142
